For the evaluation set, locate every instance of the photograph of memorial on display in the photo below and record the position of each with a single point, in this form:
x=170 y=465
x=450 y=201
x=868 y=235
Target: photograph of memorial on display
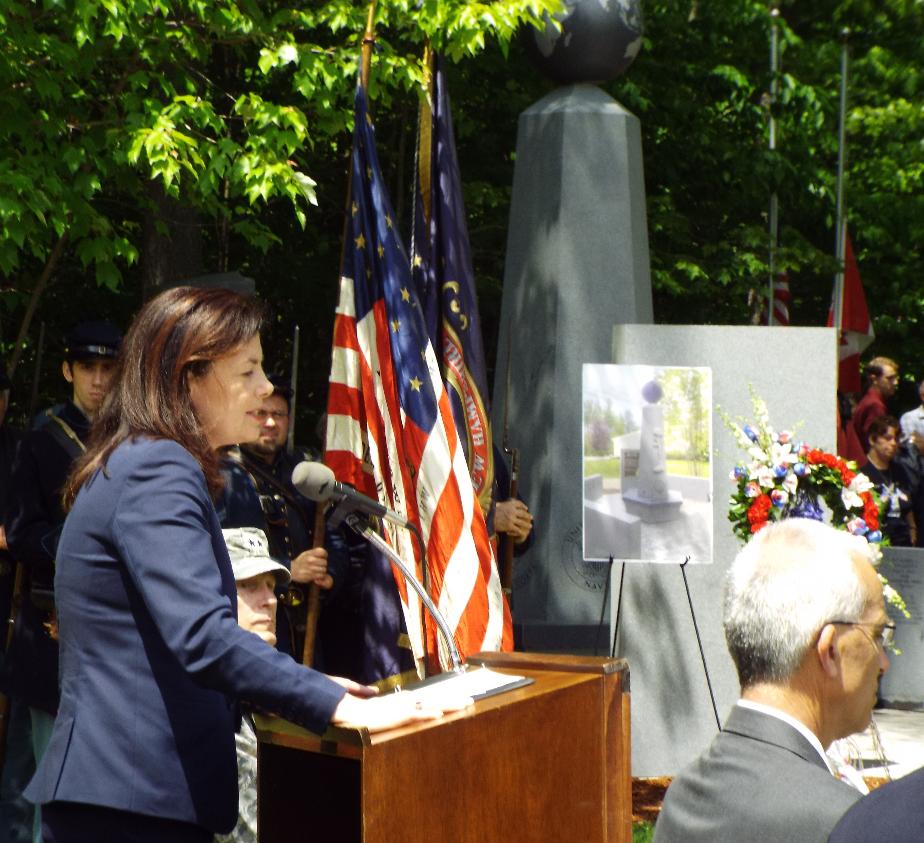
x=647 y=459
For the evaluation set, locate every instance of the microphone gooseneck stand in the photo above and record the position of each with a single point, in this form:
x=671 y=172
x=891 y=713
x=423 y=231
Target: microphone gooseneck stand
x=362 y=526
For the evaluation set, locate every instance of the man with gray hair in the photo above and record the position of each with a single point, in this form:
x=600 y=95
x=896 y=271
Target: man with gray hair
x=807 y=628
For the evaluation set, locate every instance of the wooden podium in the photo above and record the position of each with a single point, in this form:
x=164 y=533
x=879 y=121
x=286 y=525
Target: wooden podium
x=549 y=761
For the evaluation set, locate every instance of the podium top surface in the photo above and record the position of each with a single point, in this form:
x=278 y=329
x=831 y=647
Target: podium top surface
x=550 y=674
x=564 y=662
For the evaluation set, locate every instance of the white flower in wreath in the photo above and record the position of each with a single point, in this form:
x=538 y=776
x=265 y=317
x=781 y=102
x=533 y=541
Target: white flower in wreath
x=766 y=477
x=851 y=499
x=781 y=454
x=860 y=484
x=791 y=483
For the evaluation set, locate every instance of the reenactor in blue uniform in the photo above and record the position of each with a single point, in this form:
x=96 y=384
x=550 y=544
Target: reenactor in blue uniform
x=286 y=517
x=34 y=517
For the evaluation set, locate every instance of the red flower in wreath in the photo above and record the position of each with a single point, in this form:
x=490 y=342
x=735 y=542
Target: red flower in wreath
x=819 y=457
x=758 y=512
x=870 y=511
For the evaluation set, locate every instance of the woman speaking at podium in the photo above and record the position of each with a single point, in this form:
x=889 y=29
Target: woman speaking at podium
x=152 y=659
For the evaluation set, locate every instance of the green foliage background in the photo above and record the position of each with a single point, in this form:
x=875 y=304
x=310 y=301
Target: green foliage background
x=241 y=111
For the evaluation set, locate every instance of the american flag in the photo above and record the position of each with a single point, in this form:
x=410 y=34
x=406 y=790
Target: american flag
x=441 y=267
x=390 y=430
x=781 y=300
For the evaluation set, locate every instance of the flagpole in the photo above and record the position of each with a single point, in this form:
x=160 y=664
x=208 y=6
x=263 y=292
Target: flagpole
x=425 y=134
x=774 y=210
x=368 y=46
x=314 y=591
x=840 y=216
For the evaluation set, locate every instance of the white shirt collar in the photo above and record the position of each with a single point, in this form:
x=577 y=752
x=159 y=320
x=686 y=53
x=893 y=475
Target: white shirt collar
x=800 y=727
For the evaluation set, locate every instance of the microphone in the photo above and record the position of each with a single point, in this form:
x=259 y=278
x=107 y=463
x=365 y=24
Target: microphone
x=317 y=483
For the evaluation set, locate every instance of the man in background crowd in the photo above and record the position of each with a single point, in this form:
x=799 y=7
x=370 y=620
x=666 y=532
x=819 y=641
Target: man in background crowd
x=288 y=519
x=911 y=457
x=912 y=422
x=34 y=517
x=806 y=626
x=882 y=382
x=513 y=522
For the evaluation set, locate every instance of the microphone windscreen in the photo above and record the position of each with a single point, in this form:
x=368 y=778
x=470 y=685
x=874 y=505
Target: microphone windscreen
x=314 y=480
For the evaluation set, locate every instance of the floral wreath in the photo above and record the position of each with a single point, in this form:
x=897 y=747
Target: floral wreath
x=788 y=479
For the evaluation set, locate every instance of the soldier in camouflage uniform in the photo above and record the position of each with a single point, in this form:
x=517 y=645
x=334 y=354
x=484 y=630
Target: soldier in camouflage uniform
x=257 y=576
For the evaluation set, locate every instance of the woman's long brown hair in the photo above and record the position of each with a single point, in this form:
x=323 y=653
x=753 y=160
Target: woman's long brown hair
x=177 y=334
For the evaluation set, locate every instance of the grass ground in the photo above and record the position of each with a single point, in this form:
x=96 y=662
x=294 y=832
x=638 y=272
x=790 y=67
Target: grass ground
x=642 y=832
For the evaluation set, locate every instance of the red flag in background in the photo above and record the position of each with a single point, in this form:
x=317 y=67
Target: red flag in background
x=856 y=327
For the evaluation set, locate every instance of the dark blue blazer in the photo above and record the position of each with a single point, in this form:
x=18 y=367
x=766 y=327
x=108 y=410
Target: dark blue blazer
x=893 y=813
x=152 y=658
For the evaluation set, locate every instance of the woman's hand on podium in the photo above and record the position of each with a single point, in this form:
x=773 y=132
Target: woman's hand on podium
x=363 y=708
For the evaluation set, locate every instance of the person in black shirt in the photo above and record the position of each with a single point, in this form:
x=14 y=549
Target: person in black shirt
x=891 y=481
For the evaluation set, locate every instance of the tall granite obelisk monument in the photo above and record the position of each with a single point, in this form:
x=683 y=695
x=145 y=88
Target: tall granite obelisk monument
x=577 y=264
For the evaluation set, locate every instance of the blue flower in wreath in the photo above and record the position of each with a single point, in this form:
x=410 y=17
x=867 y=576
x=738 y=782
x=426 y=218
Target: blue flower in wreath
x=874 y=537
x=750 y=433
x=779 y=497
x=857 y=526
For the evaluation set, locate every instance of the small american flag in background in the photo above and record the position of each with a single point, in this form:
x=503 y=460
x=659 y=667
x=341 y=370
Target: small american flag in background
x=390 y=430
x=781 y=300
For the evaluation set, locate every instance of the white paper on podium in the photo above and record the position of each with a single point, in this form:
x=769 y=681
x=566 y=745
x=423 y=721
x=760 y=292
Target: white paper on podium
x=475 y=683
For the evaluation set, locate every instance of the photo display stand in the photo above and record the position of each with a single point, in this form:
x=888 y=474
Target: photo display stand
x=794 y=371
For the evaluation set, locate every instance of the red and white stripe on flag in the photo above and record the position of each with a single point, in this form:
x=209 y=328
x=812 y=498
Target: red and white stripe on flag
x=422 y=475
x=390 y=428
x=856 y=326
x=781 y=299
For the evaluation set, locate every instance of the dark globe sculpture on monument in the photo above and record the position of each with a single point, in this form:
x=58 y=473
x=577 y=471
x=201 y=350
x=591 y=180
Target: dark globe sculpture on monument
x=597 y=42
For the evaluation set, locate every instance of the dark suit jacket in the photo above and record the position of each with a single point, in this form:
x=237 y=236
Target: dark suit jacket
x=152 y=658
x=760 y=781
x=893 y=813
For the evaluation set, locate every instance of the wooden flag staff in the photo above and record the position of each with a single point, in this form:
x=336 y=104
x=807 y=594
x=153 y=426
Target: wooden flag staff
x=314 y=592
